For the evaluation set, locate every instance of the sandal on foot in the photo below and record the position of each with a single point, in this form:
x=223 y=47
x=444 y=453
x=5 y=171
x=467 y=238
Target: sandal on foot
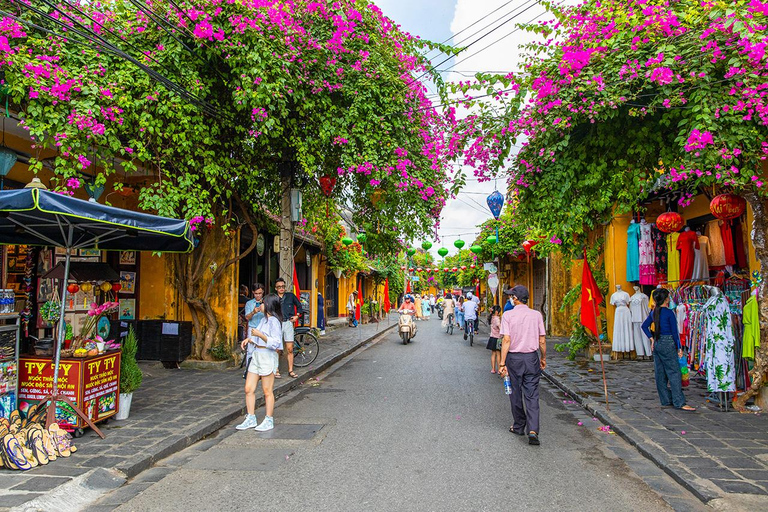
x=687 y=408
x=278 y=376
x=293 y=375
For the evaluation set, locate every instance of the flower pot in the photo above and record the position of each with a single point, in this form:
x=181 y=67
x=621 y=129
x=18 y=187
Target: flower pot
x=125 y=406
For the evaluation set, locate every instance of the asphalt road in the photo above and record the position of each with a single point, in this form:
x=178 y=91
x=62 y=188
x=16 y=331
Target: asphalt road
x=417 y=427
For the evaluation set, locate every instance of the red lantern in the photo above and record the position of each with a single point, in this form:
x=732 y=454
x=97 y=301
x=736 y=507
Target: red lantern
x=455 y=269
x=117 y=287
x=73 y=289
x=727 y=206
x=446 y=269
x=327 y=183
x=402 y=268
x=529 y=244
x=463 y=267
x=419 y=269
x=670 y=222
x=521 y=257
x=410 y=269
x=472 y=266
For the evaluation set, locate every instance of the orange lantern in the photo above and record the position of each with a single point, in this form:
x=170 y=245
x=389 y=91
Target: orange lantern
x=670 y=222
x=727 y=206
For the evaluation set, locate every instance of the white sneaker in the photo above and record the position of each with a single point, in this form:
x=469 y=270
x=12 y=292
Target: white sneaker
x=250 y=422
x=267 y=424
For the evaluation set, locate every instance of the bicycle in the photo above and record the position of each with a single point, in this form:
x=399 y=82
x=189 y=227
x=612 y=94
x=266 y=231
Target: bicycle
x=449 y=327
x=305 y=347
x=469 y=330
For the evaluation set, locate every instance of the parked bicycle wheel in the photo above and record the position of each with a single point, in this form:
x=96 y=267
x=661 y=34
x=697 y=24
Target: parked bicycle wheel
x=305 y=349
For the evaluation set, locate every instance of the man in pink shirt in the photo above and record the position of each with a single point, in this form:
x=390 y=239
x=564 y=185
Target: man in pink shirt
x=523 y=334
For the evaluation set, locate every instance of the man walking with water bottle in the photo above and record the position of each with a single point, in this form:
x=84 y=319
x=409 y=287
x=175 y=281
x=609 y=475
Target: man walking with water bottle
x=524 y=336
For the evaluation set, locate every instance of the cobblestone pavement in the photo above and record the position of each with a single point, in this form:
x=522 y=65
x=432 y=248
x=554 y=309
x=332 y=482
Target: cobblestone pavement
x=715 y=454
x=172 y=410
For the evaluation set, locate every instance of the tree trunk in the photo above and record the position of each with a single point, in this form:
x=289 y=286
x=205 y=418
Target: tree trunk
x=759 y=234
x=285 y=260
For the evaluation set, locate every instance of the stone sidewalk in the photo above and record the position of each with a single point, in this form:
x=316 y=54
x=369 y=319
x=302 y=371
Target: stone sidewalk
x=714 y=454
x=172 y=410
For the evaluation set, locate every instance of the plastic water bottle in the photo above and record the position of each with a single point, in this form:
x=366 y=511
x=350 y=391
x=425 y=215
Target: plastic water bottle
x=507 y=385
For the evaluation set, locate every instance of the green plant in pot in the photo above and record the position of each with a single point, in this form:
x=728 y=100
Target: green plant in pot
x=130 y=374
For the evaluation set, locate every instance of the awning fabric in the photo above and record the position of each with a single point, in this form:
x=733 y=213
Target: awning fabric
x=41 y=217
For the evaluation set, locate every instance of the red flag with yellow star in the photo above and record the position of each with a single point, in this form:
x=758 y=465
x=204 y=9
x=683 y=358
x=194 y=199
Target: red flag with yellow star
x=591 y=298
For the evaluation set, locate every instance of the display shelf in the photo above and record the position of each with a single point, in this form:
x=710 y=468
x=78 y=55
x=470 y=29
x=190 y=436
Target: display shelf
x=9 y=362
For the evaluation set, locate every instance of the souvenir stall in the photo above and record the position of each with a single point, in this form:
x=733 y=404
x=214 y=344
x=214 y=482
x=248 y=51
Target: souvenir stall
x=703 y=259
x=80 y=376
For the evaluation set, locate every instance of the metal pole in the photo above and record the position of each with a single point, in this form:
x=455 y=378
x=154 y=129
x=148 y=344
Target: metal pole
x=62 y=329
x=600 y=348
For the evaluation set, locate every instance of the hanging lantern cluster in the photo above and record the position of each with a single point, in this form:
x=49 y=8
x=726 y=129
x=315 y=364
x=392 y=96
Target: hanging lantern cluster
x=670 y=222
x=727 y=206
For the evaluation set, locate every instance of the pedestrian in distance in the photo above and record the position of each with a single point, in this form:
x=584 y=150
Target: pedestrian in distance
x=419 y=311
x=661 y=328
x=291 y=311
x=432 y=302
x=494 y=343
x=267 y=339
x=426 y=307
x=352 y=309
x=524 y=336
x=460 y=313
x=470 y=314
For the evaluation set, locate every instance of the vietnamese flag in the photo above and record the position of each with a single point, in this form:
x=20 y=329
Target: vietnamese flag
x=386 y=304
x=591 y=298
x=296 y=291
x=408 y=286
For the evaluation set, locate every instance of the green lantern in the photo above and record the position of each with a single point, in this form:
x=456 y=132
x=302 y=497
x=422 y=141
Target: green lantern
x=476 y=249
x=459 y=243
x=491 y=239
x=426 y=245
x=442 y=252
x=362 y=237
x=410 y=251
x=347 y=241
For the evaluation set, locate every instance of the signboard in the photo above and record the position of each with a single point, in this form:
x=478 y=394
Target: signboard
x=90 y=383
x=304 y=299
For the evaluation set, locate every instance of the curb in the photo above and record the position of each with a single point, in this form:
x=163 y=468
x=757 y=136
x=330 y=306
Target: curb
x=640 y=441
x=133 y=468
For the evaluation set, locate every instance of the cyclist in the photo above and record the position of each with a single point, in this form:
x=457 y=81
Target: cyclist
x=470 y=315
x=448 y=309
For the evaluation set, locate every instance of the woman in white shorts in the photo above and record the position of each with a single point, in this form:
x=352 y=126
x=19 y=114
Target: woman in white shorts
x=267 y=339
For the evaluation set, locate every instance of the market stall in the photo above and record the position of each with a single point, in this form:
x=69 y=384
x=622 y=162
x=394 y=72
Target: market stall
x=36 y=217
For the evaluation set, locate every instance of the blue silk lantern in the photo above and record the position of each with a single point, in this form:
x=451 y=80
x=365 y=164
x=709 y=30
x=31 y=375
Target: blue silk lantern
x=495 y=203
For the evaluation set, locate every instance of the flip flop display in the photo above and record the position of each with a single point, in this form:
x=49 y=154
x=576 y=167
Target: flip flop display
x=26 y=444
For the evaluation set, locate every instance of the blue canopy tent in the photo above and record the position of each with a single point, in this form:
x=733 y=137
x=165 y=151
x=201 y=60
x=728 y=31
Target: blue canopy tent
x=34 y=216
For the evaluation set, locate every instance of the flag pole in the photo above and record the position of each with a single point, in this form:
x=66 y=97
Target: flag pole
x=600 y=348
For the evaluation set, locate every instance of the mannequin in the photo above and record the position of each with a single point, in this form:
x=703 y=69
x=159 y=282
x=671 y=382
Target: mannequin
x=633 y=252
x=687 y=242
x=701 y=258
x=622 y=324
x=638 y=307
x=647 y=256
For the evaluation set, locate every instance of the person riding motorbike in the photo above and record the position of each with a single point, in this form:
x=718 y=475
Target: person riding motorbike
x=408 y=308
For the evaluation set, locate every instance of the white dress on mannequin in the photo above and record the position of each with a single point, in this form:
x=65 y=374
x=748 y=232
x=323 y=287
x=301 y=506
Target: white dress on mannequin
x=701 y=259
x=622 y=323
x=638 y=307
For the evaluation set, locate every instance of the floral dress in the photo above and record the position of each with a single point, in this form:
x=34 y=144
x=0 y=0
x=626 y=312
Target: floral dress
x=721 y=370
x=660 y=252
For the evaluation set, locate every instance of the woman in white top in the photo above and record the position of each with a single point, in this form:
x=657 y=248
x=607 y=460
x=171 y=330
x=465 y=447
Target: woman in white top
x=268 y=339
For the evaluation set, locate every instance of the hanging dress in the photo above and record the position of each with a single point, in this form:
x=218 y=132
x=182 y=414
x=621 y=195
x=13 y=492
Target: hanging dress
x=638 y=308
x=673 y=259
x=647 y=256
x=751 y=328
x=730 y=253
x=701 y=259
x=721 y=370
x=686 y=242
x=622 y=323
x=716 y=247
x=660 y=252
x=633 y=252
x=738 y=241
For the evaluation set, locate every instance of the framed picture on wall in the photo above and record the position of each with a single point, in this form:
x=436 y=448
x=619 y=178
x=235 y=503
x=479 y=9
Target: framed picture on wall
x=127 y=257
x=90 y=253
x=127 y=309
x=127 y=283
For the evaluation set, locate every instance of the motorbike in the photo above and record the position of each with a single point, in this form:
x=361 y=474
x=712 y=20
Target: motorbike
x=440 y=310
x=406 y=327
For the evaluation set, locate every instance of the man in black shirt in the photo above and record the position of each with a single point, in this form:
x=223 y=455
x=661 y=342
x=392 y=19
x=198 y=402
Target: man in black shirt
x=292 y=310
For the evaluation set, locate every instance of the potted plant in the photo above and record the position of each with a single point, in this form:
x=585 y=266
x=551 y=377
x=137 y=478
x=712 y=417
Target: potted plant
x=130 y=374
